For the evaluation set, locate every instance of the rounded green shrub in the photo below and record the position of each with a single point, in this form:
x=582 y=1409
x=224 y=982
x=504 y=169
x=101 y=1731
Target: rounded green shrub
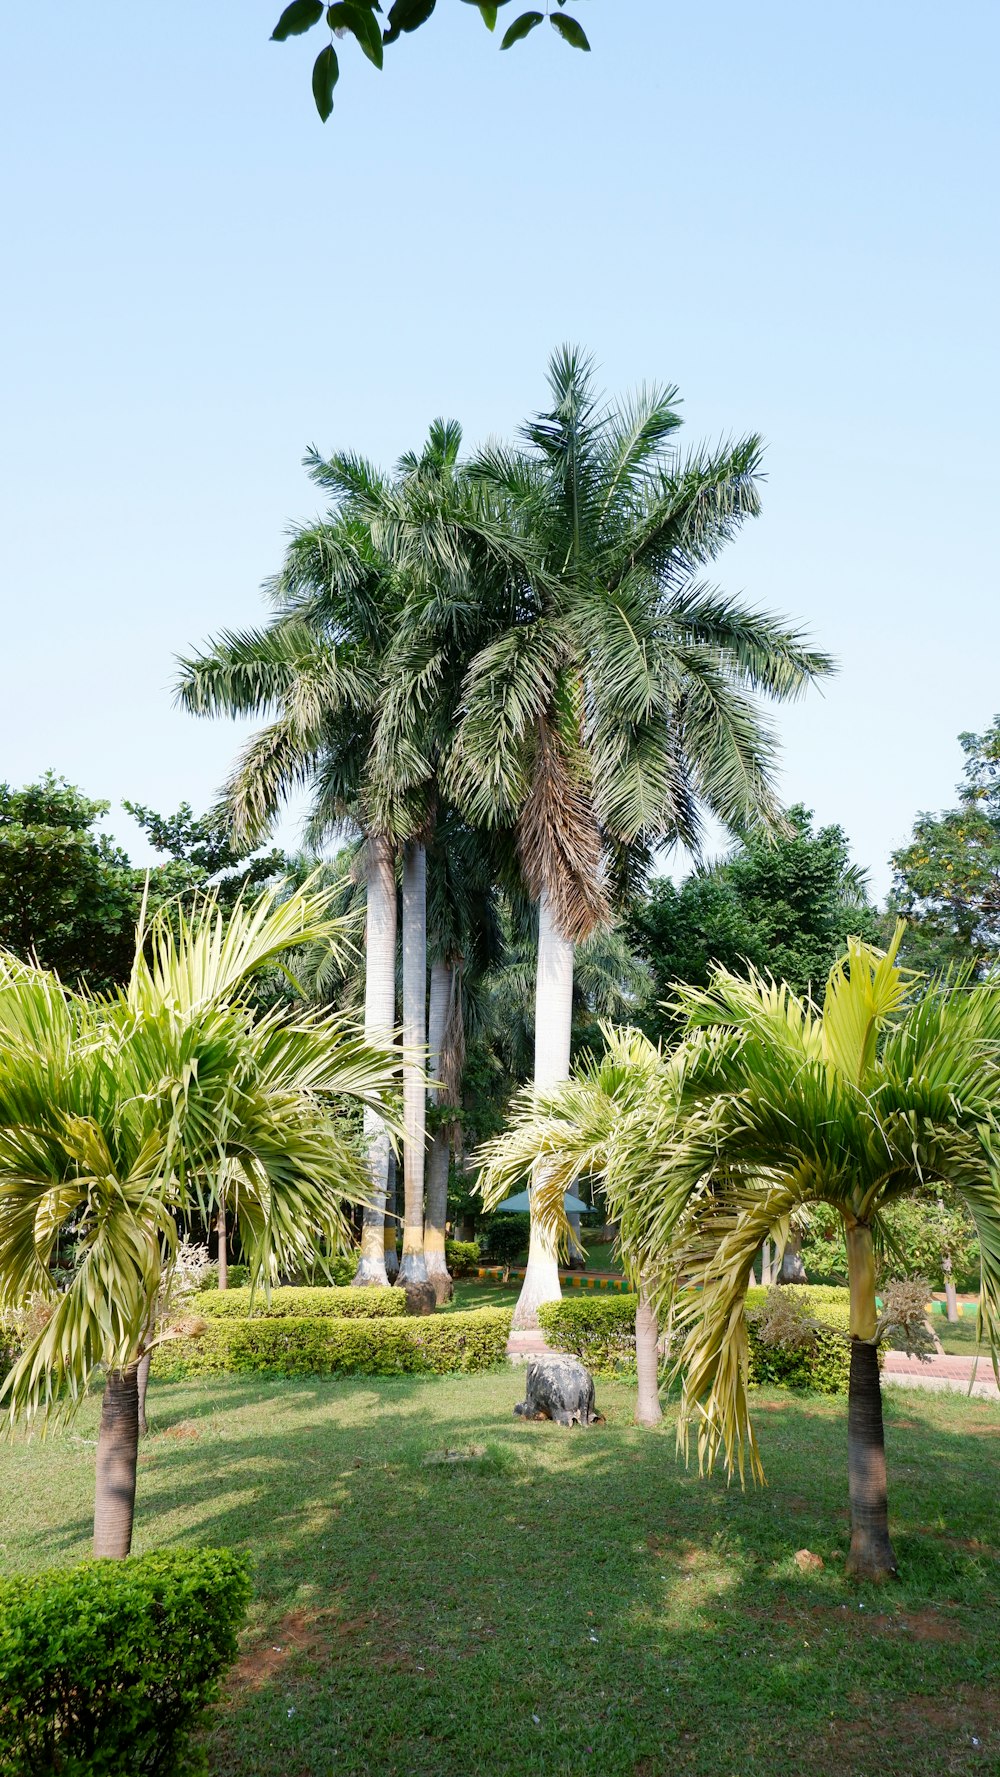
x=599 y=1330
x=292 y=1300
x=318 y=1346
x=106 y=1669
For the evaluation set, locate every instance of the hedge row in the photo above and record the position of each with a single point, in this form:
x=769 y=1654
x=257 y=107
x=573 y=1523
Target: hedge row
x=317 y=1346
x=600 y=1330
x=108 y=1667
x=314 y=1304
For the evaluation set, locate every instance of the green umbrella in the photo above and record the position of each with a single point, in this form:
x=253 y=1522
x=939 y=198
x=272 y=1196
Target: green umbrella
x=519 y=1205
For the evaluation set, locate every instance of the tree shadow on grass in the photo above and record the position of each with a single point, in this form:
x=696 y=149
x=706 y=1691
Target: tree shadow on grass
x=584 y=1603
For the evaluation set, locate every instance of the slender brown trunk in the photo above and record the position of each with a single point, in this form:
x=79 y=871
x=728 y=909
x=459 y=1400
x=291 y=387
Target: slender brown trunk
x=647 y=1407
x=223 y=1246
x=117 y=1453
x=872 y=1556
x=391 y=1224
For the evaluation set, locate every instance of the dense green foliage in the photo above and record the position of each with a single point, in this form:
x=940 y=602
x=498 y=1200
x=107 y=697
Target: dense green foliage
x=362 y=20
x=503 y=1239
x=321 y=1346
x=821 y=1364
x=309 y=1303
x=784 y=905
x=461 y=1256
x=107 y=1668
x=70 y=897
x=947 y=880
x=921 y=1235
x=599 y=1330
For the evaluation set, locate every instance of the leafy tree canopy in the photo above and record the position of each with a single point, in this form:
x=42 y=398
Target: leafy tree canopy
x=784 y=905
x=360 y=19
x=946 y=882
x=70 y=897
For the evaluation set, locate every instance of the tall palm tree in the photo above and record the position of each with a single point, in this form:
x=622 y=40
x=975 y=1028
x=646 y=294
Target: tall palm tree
x=620 y=700
x=767 y=1105
x=120 y=1118
x=315 y=669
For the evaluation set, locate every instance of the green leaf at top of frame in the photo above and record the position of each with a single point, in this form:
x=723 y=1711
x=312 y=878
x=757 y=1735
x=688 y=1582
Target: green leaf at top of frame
x=326 y=73
x=406 y=15
x=488 y=14
x=299 y=17
x=360 y=20
x=569 y=29
x=520 y=28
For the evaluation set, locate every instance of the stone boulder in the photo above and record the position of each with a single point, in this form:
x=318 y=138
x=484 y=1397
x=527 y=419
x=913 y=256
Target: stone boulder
x=559 y=1388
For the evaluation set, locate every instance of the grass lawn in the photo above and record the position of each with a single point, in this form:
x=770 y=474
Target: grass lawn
x=959 y=1337
x=570 y=1602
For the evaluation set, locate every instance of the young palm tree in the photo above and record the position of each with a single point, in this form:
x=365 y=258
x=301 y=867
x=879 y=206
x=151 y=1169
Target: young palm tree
x=767 y=1105
x=620 y=700
x=120 y=1118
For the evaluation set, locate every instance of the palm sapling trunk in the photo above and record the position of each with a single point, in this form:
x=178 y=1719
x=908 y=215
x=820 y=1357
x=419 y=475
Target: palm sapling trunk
x=441 y=1019
x=871 y=1554
x=950 y=1292
x=223 y=1234
x=792 y=1269
x=117 y=1455
x=391 y=1223
x=647 y=1407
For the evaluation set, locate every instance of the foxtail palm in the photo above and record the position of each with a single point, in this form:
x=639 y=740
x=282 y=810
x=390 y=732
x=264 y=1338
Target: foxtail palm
x=621 y=700
x=120 y=1118
x=768 y=1104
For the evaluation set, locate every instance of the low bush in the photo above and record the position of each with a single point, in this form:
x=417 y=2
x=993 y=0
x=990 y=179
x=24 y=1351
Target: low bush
x=107 y=1668
x=238 y=1278
x=313 y=1304
x=504 y=1239
x=461 y=1256
x=424 y=1345
x=821 y=1362
x=599 y=1330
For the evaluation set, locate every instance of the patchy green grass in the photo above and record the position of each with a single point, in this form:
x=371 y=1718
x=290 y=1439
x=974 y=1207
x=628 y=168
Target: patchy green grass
x=558 y=1602
x=482 y=1292
x=959 y=1337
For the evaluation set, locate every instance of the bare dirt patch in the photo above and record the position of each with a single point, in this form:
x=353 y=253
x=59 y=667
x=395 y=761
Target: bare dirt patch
x=300 y=1634
x=961 y=1731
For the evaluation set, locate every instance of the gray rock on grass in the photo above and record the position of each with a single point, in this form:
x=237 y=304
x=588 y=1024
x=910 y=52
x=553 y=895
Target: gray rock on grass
x=559 y=1388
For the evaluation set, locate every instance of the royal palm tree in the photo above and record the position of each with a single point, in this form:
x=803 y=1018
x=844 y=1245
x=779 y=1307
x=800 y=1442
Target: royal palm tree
x=315 y=669
x=768 y=1104
x=620 y=701
x=123 y=1117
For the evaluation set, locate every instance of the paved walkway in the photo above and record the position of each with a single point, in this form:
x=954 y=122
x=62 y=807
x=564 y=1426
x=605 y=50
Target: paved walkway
x=943 y=1373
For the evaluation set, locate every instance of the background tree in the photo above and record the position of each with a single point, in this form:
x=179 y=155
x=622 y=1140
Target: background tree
x=946 y=882
x=621 y=700
x=361 y=19
x=783 y=903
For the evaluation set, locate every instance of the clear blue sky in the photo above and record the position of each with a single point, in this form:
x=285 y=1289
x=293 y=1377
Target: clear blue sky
x=789 y=210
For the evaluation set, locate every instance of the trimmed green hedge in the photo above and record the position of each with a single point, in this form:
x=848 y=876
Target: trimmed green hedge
x=461 y=1257
x=238 y=1277
x=314 y=1304
x=107 y=1668
x=424 y=1345
x=599 y=1330
x=824 y=1365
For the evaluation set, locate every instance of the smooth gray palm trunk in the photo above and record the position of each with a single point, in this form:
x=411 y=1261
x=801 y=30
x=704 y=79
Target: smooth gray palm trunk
x=412 y=1267
x=792 y=1269
x=117 y=1455
x=223 y=1233
x=553 y=1030
x=444 y=985
x=380 y=1019
x=647 y=1358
